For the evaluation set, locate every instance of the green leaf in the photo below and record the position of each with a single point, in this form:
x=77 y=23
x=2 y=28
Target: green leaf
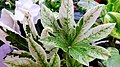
x=112 y=1
x=12 y=37
x=114 y=61
x=55 y=61
x=109 y=7
x=56 y=42
x=85 y=53
x=20 y=62
x=97 y=33
x=114 y=18
x=70 y=62
x=79 y=26
x=117 y=7
x=38 y=53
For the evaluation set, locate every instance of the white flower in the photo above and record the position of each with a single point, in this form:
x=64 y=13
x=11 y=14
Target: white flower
x=7 y=19
x=27 y=9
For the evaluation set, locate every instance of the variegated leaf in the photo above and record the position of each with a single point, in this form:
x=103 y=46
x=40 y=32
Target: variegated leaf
x=85 y=53
x=55 y=61
x=80 y=53
x=90 y=17
x=99 y=52
x=48 y=46
x=66 y=14
x=51 y=49
x=29 y=26
x=45 y=32
x=20 y=62
x=33 y=29
x=10 y=36
x=38 y=53
x=48 y=19
x=97 y=33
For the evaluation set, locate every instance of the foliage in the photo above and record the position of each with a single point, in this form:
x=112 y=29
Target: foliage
x=114 y=61
x=111 y=15
x=75 y=38
x=87 y=4
x=53 y=4
x=60 y=31
x=113 y=6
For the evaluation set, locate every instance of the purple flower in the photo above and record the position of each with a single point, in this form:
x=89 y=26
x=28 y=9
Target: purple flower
x=4 y=50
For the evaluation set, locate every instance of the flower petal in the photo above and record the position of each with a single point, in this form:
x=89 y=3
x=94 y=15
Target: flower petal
x=6 y=18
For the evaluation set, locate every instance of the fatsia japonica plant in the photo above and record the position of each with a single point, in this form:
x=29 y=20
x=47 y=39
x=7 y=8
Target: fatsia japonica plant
x=60 y=31
x=75 y=39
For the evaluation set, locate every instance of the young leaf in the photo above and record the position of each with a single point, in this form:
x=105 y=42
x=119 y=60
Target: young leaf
x=97 y=33
x=20 y=62
x=37 y=52
x=12 y=37
x=55 y=61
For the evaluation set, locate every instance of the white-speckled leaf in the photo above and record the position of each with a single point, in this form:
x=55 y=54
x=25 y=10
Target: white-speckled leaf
x=66 y=14
x=37 y=52
x=80 y=53
x=90 y=17
x=97 y=33
x=48 y=18
x=85 y=53
x=99 y=52
x=48 y=46
x=20 y=62
x=55 y=61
